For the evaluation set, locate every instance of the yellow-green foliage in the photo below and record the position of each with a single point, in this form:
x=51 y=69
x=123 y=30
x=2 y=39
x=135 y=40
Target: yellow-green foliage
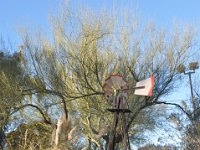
x=70 y=72
x=31 y=136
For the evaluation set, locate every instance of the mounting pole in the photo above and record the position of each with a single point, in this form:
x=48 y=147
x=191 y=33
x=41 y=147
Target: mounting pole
x=119 y=116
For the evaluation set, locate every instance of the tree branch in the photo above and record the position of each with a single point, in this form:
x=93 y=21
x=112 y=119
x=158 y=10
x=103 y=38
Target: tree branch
x=34 y=106
x=177 y=105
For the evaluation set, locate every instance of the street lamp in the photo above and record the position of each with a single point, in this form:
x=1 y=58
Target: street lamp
x=192 y=67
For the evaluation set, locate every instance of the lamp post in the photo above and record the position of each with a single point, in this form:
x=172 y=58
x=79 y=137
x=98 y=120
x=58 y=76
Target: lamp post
x=192 y=67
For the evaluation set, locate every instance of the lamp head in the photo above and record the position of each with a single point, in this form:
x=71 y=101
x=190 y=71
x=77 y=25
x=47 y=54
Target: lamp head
x=194 y=65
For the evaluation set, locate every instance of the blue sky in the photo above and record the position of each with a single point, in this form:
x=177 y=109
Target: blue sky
x=35 y=13
x=17 y=13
